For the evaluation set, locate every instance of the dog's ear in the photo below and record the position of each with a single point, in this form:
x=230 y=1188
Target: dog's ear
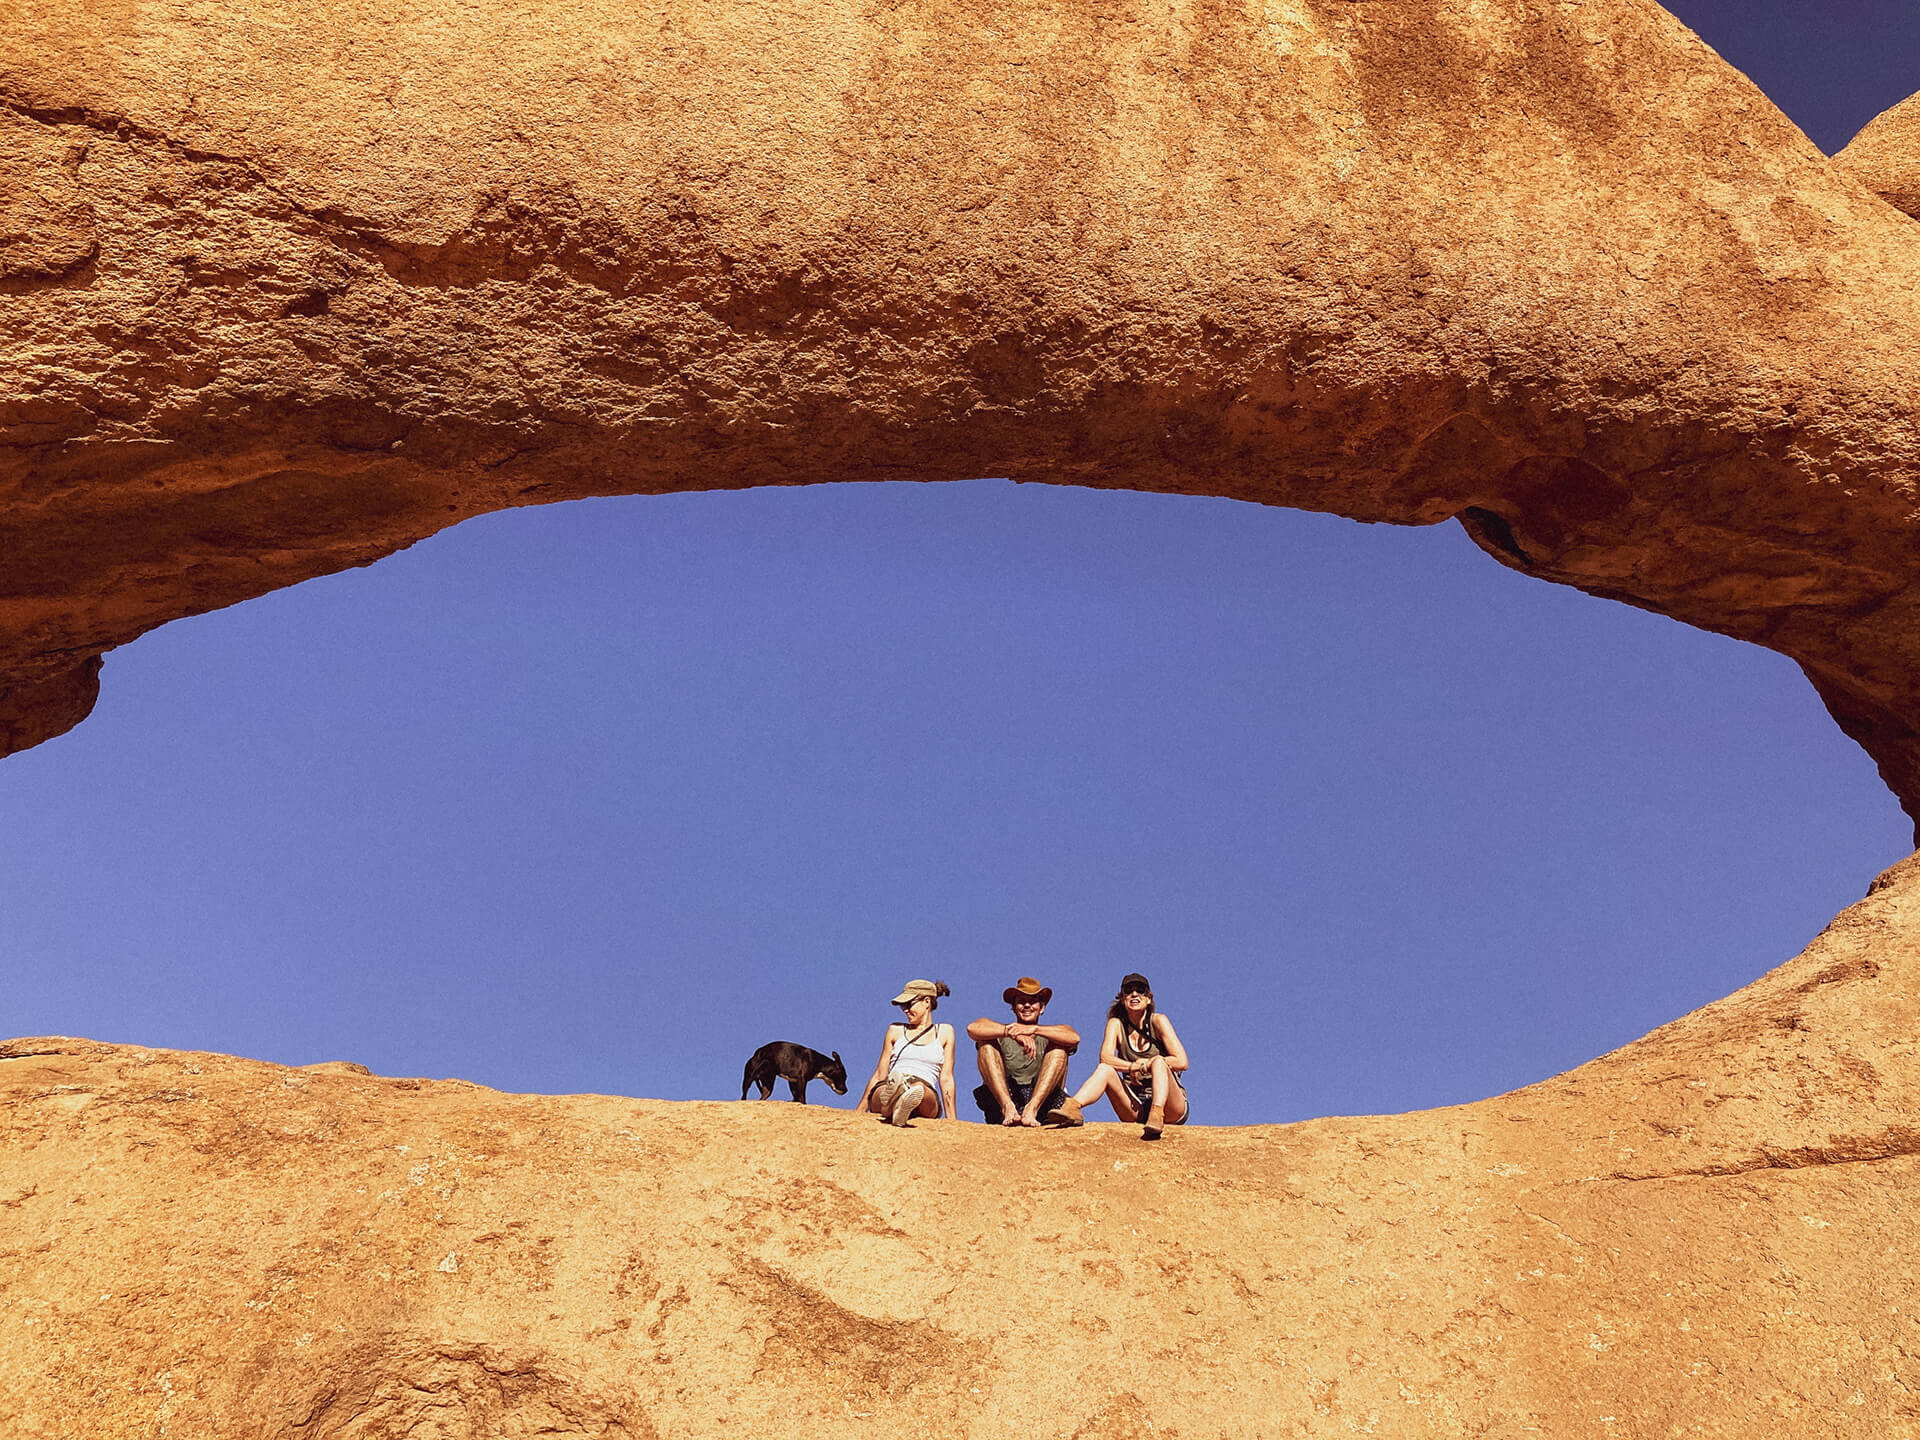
x=836 y=1054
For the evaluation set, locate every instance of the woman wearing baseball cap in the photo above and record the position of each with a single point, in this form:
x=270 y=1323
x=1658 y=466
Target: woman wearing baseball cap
x=915 y=1073
x=1141 y=1061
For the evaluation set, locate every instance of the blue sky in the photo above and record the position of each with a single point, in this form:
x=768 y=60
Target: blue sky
x=601 y=796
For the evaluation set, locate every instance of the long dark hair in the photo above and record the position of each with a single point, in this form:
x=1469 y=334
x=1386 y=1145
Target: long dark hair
x=1118 y=1011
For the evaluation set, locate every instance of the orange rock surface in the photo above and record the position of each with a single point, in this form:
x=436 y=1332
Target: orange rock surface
x=1886 y=155
x=285 y=286
x=288 y=284
x=1707 y=1233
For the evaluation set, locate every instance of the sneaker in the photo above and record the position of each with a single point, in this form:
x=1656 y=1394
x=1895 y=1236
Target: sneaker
x=908 y=1101
x=1066 y=1114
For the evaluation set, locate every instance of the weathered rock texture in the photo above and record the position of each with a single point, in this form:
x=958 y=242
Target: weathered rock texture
x=1886 y=156
x=1708 y=1233
x=288 y=284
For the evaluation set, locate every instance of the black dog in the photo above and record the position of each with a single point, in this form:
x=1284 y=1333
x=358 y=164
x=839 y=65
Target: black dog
x=795 y=1064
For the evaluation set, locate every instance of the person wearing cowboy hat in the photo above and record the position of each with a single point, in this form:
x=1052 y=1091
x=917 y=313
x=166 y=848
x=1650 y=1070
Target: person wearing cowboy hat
x=1023 y=1065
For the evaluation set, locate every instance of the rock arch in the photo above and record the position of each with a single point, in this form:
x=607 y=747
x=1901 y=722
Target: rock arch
x=286 y=286
x=1566 y=276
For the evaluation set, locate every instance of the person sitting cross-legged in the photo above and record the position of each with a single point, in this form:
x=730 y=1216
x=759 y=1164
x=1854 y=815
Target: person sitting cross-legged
x=1023 y=1065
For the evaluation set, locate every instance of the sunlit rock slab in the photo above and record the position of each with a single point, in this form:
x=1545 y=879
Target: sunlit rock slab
x=1705 y=1233
x=1886 y=155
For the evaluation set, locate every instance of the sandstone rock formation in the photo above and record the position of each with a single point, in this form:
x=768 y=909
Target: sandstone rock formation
x=1707 y=1233
x=1886 y=156
x=286 y=285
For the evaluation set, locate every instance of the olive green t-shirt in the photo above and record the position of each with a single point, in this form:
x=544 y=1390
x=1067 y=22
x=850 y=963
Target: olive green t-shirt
x=1022 y=1068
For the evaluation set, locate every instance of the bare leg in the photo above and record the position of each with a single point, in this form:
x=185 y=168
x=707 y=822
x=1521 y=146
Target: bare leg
x=1176 y=1102
x=1053 y=1069
x=1094 y=1086
x=993 y=1070
x=1105 y=1081
x=887 y=1093
x=909 y=1099
x=1169 y=1101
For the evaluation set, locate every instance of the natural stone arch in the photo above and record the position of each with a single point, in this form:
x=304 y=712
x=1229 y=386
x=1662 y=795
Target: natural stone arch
x=287 y=286
x=1561 y=273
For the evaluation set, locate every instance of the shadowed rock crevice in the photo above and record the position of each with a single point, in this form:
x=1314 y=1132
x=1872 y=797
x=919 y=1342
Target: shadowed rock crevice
x=1900 y=1142
x=451 y=1392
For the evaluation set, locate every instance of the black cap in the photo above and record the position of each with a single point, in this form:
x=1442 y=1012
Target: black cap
x=1135 y=981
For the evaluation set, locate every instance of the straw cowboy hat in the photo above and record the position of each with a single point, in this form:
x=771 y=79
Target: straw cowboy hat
x=1026 y=988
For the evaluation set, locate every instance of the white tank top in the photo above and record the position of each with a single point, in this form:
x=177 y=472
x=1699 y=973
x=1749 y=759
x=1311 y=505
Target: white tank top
x=921 y=1059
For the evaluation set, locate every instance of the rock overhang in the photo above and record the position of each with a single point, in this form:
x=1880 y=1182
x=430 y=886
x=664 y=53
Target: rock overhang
x=1564 y=275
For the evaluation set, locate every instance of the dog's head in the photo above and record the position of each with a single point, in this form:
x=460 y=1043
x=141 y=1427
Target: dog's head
x=835 y=1074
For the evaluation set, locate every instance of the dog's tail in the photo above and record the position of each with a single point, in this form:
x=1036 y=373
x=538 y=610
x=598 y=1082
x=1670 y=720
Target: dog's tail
x=746 y=1079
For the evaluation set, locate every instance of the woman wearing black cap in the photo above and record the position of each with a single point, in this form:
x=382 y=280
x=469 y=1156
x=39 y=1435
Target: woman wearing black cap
x=1141 y=1059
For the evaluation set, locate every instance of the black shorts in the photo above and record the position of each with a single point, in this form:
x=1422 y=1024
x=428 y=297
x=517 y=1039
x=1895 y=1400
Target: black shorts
x=990 y=1107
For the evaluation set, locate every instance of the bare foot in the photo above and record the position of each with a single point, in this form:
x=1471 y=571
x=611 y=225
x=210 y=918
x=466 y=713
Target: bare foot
x=1011 y=1120
x=1030 y=1120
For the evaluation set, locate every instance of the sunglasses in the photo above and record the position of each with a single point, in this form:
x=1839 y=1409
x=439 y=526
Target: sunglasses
x=1136 y=990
